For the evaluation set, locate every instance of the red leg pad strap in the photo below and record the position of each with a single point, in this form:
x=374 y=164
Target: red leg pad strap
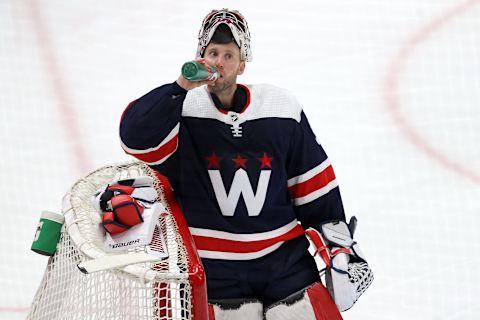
x=323 y=305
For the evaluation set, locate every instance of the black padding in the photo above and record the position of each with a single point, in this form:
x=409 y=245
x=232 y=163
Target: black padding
x=232 y=304
x=104 y=198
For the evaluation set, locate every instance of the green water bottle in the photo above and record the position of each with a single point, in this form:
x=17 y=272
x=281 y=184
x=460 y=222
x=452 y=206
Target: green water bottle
x=48 y=233
x=195 y=71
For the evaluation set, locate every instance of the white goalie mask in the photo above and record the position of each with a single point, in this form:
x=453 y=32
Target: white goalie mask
x=237 y=24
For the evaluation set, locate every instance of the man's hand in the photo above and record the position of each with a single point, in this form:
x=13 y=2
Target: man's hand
x=189 y=85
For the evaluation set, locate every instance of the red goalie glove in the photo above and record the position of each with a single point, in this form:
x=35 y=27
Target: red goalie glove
x=122 y=203
x=125 y=213
x=112 y=226
x=112 y=191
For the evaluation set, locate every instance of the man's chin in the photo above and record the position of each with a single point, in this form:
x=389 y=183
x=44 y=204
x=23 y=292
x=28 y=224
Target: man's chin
x=218 y=87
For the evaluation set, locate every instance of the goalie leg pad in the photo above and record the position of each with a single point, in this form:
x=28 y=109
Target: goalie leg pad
x=235 y=309
x=312 y=303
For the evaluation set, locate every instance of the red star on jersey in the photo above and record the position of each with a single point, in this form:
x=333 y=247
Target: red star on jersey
x=213 y=161
x=240 y=162
x=266 y=161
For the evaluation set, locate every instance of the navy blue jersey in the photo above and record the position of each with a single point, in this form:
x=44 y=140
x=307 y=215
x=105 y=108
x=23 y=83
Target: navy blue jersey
x=248 y=179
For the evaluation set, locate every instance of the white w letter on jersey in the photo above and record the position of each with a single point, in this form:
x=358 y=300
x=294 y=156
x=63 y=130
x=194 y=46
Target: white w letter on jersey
x=240 y=185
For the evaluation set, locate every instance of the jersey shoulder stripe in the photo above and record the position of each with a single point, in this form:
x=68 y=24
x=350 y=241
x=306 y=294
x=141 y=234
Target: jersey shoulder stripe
x=266 y=101
x=159 y=153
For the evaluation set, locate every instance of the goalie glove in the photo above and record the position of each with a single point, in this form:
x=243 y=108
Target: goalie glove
x=122 y=203
x=347 y=274
x=125 y=213
x=141 y=189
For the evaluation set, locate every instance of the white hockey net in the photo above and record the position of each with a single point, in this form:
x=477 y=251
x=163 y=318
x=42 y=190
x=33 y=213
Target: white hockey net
x=160 y=290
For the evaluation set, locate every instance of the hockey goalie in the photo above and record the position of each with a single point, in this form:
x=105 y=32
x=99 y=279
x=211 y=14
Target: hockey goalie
x=251 y=177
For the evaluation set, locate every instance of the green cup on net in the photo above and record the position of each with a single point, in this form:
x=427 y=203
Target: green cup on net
x=48 y=233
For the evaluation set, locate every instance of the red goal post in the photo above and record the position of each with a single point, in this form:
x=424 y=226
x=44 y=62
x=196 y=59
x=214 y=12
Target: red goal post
x=196 y=272
x=168 y=289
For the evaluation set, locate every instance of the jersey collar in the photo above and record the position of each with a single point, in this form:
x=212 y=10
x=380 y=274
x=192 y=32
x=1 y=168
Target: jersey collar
x=241 y=100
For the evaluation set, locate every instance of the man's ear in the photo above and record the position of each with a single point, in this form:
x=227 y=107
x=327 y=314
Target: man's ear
x=241 y=69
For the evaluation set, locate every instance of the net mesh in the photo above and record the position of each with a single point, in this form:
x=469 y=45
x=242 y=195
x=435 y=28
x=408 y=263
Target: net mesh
x=67 y=293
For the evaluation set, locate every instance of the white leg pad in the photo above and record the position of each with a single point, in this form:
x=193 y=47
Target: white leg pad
x=312 y=303
x=301 y=309
x=247 y=310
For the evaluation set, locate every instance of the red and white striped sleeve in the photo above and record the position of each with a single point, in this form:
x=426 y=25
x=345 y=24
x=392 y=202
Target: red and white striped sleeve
x=159 y=153
x=312 y=184
x=150 y=126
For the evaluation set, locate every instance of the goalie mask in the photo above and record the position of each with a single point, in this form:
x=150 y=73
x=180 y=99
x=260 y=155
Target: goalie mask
x=238 y=27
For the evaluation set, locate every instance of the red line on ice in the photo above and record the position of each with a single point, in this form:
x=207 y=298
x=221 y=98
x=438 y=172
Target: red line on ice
x=392 y=83
x=65 y=103
x=14 y=309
